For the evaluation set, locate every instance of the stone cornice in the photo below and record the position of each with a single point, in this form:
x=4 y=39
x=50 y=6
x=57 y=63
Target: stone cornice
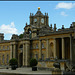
x=5 y=41
x=63 y=31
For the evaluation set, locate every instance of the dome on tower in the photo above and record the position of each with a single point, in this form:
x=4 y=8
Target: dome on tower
x=38 y=12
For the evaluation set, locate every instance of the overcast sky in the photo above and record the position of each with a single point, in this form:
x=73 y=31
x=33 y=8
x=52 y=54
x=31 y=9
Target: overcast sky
x=14 y=14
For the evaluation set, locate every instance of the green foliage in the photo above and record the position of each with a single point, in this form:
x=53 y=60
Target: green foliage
x=33 y=62
x=13 y=61
x=21 y=36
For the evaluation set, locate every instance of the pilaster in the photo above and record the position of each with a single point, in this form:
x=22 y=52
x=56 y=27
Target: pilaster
x=23 y=54
x=63 y=49
x=47 y=49
x=40 y=49
x=54 y=47
x=71 y=47
x=27 y=53
x=14 y=51
x=11 y=51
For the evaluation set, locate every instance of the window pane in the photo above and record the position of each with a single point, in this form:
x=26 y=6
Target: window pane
x=3 y=59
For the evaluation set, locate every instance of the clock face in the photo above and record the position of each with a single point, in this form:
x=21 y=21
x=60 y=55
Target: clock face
x=42 y=20
x=35 y=20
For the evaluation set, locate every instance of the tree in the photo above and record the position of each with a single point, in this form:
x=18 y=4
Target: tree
x=33 y=62
x=13 y=61
x=21 y=36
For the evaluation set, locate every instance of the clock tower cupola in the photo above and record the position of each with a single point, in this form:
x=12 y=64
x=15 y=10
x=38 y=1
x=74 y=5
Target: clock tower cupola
x=38 y=25
x=39 y=20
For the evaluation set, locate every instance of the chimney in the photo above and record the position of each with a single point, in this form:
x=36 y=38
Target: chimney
x=62 y=26
x=73 y=23
x=55 y=27
x=1 y=37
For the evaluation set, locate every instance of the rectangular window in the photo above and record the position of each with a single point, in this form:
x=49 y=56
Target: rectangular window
x=3 y=47
x=36 y=56
x=7 y=47
x=42 y=56
x=36 y=46
x=42 y=45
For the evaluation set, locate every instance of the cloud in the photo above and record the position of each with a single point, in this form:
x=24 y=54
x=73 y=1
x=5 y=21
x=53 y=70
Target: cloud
x=21 y=32
x=65 y=5
x=8 y=29
x=63 y=13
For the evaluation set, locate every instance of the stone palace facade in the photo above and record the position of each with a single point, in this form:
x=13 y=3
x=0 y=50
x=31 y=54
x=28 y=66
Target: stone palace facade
x=41 y=41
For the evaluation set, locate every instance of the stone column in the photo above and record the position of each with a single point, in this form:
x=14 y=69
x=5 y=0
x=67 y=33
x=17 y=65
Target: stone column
x=24 y=54
x=54 y=47
x=27 y=53
x=14 y=51
x=63 y=49
x=11 y=51
x=63 y=55
x=70 y=47
x=47 y=48
x=40 y=49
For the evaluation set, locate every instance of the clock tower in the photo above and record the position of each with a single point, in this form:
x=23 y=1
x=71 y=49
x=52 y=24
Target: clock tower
x=38 y=25
x=39 y=20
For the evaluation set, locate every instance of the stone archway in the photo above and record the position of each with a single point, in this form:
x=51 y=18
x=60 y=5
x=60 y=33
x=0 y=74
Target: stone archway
x=30 y=33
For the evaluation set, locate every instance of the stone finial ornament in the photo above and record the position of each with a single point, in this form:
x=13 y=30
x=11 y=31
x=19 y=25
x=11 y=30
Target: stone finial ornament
x=71 y=26
x=55 y=27
x=45 y=14
x=51 y=26
x=38 y=8
x=62 y=26
x=26 y=23
x=30 y=14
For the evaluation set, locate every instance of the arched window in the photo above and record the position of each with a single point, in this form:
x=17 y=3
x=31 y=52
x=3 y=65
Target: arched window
x=21 y=47
x=36 y=56
x=3 y=59
x=29 y=32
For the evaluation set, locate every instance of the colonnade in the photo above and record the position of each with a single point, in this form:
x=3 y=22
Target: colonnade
x=55 y=51
x=26 y=52
x=13 y=51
